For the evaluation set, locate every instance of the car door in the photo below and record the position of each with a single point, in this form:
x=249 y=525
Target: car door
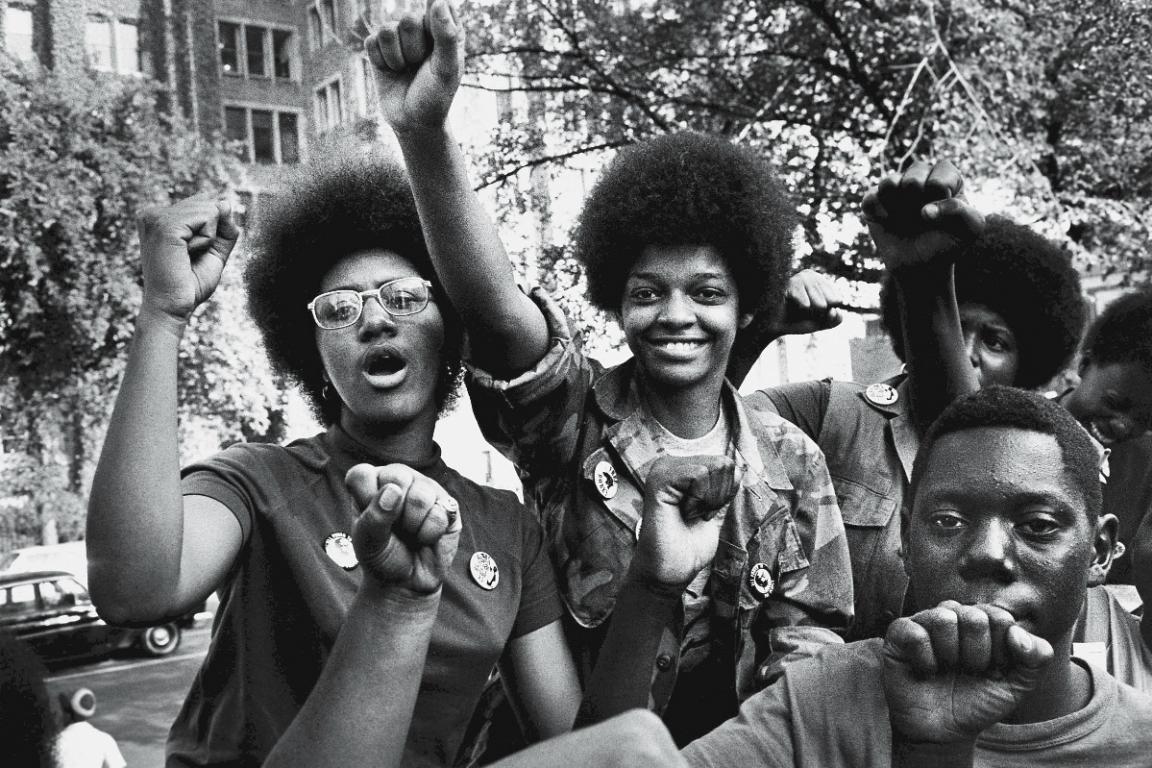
x=71 y=624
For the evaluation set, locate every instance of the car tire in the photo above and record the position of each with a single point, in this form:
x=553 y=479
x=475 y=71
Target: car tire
x=160 y=640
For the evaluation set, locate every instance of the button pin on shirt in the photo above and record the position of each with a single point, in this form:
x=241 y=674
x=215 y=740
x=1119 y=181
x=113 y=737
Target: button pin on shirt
x=484 y=570
x=760 y=580
x=338 y=547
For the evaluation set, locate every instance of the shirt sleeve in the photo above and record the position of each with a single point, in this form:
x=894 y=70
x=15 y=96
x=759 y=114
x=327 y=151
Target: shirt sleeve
x=539 y=601
x=759 y=735
x=803 y=403
x=228 y=477
x=534 y=418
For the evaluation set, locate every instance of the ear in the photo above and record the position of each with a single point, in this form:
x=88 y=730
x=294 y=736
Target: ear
x=745 y=319
x=1105 y=547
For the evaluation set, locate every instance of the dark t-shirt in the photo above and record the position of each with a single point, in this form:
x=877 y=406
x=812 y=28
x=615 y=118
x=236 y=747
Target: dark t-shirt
x=1128 y=495
x=283 y=605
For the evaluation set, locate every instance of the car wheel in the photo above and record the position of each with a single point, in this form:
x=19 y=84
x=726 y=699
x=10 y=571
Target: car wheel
x=161 y=640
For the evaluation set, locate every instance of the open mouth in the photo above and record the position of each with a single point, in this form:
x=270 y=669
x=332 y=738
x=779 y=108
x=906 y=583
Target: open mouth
x=1104 y=438
x=382 y=364
x=678 y=346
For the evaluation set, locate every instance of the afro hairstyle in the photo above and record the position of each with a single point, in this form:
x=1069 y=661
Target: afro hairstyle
x=1000 y=406
x=686 y=189
x=1123 y=331
x=1026 y=279
x=332 y=209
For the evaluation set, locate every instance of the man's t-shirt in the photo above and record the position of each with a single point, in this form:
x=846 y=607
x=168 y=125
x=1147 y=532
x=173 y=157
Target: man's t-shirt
x=829 y=711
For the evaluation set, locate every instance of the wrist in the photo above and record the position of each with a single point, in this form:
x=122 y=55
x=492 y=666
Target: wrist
x=151 y=316
x=397 y=600
x=423 y=136
x=643 y=580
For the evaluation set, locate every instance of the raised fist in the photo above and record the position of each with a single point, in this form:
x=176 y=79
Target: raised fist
x=409 y=528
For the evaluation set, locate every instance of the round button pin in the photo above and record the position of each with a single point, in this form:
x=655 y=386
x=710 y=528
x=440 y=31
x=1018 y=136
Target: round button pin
x=604 y=475
x=881 y=394
x=338 y=547
x=484 y=570
x=760 y=580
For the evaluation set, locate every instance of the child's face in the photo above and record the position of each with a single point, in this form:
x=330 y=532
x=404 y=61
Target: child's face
x=1113 y=401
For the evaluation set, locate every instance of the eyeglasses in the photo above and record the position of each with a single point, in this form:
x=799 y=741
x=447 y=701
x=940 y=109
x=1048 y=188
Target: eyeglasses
x=339 y=309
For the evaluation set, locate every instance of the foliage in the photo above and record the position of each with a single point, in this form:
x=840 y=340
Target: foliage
x=79 y=159
x=1045 y=104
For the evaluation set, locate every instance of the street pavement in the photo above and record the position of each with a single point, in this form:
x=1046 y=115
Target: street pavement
x=137 y=698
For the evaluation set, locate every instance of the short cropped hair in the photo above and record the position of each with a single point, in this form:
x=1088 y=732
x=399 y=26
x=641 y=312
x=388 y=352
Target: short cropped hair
x=1123 y=331
x=329 y=211
x=1026 y=279
x=688 y=189
x=1000 y=406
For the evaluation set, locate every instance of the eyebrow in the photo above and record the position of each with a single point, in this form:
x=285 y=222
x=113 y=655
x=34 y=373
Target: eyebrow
x=655 y=277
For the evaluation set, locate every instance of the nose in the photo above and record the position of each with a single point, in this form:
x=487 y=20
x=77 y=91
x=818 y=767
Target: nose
x=677 y=310
x=374 y=319
x=990 y=554
x=971 y=347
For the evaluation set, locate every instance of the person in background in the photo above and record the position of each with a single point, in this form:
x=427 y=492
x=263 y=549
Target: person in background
x=1113 y=400
x=28 y=722
x=79 y=743
x=1012 y=301
x=683 y=238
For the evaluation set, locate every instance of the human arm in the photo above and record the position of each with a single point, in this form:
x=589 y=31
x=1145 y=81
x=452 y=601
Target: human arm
x=918 y=220
x=418 y=61
x=635 y=739
x=949 y=673
x=682 y=498
x=812 y=303
x=540 y=676
x=361 y=708
x=153 y=553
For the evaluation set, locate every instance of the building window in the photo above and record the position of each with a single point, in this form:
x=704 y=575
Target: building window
x=329 y=106
x=230 y=48
x=289 y=142
x=367 y=88
x=98 y=40
x=249 y=50
x=18 y=33
x=328 y=11
x=266 y=136
x=282 y=54
x=255 y=48
x=113 y=45
x=315 y=27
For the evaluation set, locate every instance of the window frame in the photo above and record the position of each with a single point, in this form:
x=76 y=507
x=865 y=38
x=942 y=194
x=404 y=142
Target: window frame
x=269 y=54
x=277 y=139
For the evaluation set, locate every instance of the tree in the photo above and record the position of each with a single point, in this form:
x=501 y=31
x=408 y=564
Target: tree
x=79 y=158
x=1045 y=103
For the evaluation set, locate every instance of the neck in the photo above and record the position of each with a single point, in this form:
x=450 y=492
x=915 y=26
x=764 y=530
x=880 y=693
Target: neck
x=1064 y=687
x=407 y=442
x=687 y=413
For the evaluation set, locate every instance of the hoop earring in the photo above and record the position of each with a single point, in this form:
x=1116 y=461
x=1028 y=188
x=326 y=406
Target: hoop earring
x=326 y=392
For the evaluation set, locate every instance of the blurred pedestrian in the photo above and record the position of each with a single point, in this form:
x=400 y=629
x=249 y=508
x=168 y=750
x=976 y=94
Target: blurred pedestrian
x=81 y=744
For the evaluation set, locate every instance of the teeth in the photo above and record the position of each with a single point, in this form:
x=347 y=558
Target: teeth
x=680 y=345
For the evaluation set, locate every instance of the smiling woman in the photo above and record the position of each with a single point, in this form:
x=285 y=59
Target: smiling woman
x=307 y=541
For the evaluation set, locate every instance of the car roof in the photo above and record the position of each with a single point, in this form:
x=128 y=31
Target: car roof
x=16 y=578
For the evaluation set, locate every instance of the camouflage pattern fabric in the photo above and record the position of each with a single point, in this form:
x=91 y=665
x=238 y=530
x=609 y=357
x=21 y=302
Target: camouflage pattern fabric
x=562 y=420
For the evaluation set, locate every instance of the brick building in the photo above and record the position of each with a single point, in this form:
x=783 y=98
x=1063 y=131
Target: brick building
x=281 y=77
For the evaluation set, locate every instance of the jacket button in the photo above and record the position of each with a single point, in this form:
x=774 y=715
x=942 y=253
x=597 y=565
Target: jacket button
x=664 y=662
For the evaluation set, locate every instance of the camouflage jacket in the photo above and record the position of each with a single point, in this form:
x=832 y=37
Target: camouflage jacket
x=567 y=420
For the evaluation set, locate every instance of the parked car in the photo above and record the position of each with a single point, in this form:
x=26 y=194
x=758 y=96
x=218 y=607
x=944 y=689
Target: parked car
x=52 y=612
x=72 y=557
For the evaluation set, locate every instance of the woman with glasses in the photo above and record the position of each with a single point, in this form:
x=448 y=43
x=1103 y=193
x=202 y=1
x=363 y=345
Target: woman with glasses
x=341 y=286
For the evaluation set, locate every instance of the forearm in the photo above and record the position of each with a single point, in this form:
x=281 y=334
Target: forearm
x=508 y=331
x=938 y=364
x=135 y=511
x=360 y=711
x=643 y=643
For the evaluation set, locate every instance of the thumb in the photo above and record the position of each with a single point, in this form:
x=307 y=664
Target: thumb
x=447 y=41
x=956 y=217
x=1030 y=655
x=361 y=483
x=227 y=233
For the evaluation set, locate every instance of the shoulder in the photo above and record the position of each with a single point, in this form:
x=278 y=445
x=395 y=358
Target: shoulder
x=305 y=453
x=796 y=451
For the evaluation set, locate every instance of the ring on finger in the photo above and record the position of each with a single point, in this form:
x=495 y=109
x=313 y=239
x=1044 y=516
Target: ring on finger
x=450 y=506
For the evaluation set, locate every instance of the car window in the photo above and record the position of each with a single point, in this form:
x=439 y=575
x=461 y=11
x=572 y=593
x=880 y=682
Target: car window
x=73 y=588
x=19 y=597
x=50 y=594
